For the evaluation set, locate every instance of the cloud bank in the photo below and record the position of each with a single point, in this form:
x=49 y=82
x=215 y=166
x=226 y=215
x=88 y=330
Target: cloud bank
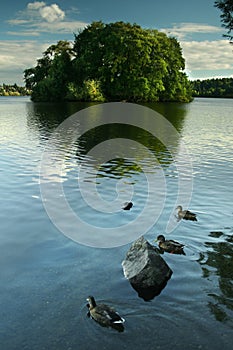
x=207 y=55
x=16 y=56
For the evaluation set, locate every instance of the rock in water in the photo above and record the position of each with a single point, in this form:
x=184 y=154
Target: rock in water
x=145 y=269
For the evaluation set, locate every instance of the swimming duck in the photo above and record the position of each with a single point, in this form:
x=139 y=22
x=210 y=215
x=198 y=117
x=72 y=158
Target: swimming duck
x=185 y=214
x=127 y=206
x=104 y=314
x=170 y=246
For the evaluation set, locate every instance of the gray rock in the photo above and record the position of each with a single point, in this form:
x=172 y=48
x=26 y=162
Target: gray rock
x=145 y=269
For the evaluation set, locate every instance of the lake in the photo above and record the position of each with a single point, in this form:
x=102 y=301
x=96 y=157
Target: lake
x=64 y=235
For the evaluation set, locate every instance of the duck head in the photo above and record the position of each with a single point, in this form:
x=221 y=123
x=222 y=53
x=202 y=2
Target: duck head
x=179 y=208
x=160 y=238
x=91 y=302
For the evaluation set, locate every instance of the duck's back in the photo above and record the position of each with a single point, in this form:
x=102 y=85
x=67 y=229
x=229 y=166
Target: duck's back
x=105 y=314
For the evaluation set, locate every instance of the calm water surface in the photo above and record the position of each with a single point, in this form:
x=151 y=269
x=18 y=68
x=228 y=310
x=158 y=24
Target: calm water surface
x=46 y=277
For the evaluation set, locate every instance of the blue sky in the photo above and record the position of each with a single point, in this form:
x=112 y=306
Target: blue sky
x=27 y=28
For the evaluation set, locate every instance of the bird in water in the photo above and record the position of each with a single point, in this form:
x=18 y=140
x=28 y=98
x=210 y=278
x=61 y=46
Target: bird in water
x=170 y=246
x=185 y=214
x=105 y=315
x=127 y=206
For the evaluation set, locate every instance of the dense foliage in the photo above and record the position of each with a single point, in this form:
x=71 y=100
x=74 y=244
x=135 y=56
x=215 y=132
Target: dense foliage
x=226 y=6
x=108 y=62
x=49 y=79
x=13 y=90
x=213 y=87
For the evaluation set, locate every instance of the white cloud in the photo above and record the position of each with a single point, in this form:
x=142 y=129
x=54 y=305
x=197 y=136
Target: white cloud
x=181 y=30
x=16 y=56
x=63 y=27
x=20 y=54
x=17 y=21
x=52 y=13
x=49 y=13
x=204 y=56
x=25 y=33
x=208 y=55
x=35 y=5
x=73 y=10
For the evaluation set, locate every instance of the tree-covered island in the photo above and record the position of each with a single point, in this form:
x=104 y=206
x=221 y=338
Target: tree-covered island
x=111 y=62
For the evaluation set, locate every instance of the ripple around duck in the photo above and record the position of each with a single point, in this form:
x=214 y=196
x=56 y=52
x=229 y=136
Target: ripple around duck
x=144 y=320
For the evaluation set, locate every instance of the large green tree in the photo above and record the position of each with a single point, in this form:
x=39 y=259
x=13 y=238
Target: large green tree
x=226 y=6
x=131 y=63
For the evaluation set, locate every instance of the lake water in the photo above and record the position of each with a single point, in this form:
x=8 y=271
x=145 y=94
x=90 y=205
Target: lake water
x=46 y=276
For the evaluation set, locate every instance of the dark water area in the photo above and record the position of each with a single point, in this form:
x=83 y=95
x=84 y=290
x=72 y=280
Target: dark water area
x=45 y=277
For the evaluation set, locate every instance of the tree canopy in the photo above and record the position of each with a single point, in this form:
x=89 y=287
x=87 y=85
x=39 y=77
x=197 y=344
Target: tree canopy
x=226 y=6
x=111 y=62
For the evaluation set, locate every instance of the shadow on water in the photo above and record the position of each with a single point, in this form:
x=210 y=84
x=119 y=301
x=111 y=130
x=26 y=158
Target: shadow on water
x=45 y=117
x=50 y=115
x=218 y=265
x=113 y=131
x=174 y=112
x=147 y=294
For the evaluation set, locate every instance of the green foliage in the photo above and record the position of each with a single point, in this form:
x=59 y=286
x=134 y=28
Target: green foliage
x=49 y=79
x=90 y=91
x=226 y=6
x=111 y=62
x=131 y=63
x=213 y=87
x=14 y=90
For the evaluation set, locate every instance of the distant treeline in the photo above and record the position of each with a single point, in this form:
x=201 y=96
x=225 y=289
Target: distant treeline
x=14 y=90
x=220 y=87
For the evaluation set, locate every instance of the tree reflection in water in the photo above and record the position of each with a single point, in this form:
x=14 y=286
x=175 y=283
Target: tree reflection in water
x=218 y=266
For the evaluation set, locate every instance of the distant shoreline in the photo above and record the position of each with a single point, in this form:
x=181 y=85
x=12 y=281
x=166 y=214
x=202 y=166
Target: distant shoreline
x=207 y=88
x=14 y=90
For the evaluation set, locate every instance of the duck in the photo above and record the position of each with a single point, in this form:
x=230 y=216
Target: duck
x=170 y=246
x=127 y=206
x=104 y=314
x=185 y=214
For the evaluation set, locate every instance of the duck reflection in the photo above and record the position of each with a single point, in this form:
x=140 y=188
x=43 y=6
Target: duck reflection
x=219 y=264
